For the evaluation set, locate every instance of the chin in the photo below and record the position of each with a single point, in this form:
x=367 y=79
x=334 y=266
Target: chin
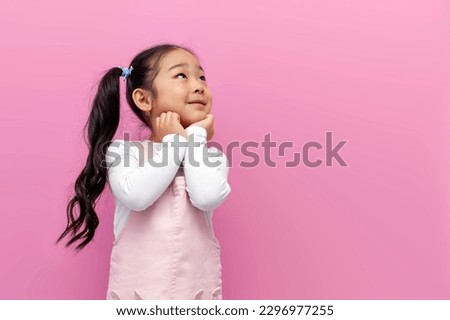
x=193 y=118
x=187 y=122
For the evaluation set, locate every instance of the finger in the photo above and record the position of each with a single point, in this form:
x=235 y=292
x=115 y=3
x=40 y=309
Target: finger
x=169 y=116
x=209 y=118
x=177 y=116
x=157 y=121
x=163 y=118
x=174 y=117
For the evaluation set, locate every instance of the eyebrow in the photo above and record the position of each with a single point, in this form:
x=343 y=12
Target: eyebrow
x=183 y=65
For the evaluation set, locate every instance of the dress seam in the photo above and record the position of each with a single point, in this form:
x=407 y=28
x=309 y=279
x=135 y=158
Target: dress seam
x=174 y=240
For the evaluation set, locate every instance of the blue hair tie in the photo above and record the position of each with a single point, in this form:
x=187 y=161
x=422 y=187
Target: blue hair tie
x=126 y=72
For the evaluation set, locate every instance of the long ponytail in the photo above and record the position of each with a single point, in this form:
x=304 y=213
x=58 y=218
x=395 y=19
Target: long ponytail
x=101 y=127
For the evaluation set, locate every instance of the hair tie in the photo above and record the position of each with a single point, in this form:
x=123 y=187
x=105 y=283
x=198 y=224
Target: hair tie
x=126 y=72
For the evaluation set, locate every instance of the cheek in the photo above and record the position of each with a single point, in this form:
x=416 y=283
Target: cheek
x=208 y=108
x=173 y=92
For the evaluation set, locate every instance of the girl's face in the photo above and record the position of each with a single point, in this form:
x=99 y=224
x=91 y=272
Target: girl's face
x=182 y=88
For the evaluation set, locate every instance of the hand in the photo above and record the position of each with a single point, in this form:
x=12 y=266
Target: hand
x=167 y=123
x=208 y=124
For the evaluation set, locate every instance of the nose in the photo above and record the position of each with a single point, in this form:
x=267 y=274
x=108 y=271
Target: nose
x=199 y=86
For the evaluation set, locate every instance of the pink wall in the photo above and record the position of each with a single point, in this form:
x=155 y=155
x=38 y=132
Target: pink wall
x=375 y=73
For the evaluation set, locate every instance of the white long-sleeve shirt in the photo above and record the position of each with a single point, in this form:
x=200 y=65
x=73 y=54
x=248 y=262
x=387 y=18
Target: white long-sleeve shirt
x=136 y=186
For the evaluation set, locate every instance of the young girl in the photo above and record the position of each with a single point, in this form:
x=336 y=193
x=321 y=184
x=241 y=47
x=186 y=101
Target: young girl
x=165 y=191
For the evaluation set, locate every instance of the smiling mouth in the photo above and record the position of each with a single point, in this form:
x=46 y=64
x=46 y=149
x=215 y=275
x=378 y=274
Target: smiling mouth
x=203 y=103
x=197 y=103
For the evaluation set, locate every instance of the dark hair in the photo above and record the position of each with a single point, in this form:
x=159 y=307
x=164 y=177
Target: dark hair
x=101 y=127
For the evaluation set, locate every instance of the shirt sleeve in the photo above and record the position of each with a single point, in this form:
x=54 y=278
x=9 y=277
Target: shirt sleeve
x=138 y=184
x=206 y=171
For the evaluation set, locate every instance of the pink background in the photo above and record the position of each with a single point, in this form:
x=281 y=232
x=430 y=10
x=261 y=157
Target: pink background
x=375 y=73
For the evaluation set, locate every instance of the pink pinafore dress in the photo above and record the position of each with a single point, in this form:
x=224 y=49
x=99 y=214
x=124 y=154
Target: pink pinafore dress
x=167 y=251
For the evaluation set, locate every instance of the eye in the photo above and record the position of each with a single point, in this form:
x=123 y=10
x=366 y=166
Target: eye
x=179 y=74
x=203 y=78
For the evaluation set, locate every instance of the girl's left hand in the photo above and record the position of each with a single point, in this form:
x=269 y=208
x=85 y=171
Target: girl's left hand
x=208 y=124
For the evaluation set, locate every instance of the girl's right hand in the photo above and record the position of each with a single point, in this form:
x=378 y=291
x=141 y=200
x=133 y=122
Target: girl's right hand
x=167 y=123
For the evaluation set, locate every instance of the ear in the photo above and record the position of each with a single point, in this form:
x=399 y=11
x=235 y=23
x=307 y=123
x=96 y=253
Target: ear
x=142 y=98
